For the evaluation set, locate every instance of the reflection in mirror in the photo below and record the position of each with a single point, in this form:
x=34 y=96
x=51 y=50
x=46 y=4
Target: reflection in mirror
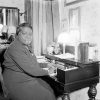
x=1 y=21
x=9 y=20
x=12 y=17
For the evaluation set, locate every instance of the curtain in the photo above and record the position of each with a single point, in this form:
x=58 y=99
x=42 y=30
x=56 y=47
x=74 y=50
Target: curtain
x=12 y=20
x=40 y=14
x=12 y=17
x=36 y=16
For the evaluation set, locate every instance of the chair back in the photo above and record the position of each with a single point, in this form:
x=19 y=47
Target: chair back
x=4 y=89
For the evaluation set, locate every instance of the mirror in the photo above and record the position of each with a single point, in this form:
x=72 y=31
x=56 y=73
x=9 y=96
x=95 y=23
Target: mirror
x=9 y=16
x=9 y=19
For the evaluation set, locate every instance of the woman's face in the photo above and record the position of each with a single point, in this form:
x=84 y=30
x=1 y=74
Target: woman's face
x=26 y=35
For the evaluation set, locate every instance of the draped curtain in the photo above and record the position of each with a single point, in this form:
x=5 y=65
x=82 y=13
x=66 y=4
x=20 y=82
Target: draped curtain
x=12 y=20
x=12 y=17
x=39 y=13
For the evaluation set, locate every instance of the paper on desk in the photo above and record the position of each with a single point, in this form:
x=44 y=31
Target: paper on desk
x=41 y=59
x=65 y=56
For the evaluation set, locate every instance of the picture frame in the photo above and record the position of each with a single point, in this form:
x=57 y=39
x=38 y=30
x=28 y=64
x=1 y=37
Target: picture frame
x=69 y=1
x=72 y=2
x=74 y=18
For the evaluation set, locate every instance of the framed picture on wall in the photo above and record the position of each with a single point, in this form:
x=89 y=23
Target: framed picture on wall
x=1 y=17
x=74 y=18
x=71 y=2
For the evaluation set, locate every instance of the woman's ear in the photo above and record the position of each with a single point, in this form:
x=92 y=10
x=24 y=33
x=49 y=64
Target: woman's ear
x=19 y=34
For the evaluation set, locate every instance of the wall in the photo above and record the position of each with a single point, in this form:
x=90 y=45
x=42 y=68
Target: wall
x=14 y=3
x=63 y=14
x=90 y=23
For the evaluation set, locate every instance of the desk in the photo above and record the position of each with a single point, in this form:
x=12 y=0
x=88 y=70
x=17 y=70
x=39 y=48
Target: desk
x=86 y=75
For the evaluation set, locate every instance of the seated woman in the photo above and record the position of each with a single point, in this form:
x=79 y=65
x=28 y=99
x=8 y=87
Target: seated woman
x=22 y=74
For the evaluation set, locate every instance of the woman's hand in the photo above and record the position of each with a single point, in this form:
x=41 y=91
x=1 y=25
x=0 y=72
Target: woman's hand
x=51 y=68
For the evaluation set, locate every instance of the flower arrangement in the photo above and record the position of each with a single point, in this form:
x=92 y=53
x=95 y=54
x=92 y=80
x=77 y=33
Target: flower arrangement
x=53 y=48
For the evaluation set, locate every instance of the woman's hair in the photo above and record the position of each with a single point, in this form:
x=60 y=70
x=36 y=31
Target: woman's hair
x=19 y=28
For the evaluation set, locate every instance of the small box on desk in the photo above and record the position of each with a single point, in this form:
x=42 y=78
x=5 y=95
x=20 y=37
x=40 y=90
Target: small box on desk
x=64 y=76
x=78 y=74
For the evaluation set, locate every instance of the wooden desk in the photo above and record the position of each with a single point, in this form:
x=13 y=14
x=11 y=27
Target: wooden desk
x=86 y=75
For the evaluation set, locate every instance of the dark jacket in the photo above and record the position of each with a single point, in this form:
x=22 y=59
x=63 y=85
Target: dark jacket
x=21 y=67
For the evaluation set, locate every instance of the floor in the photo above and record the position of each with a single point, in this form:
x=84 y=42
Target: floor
x=82 y=94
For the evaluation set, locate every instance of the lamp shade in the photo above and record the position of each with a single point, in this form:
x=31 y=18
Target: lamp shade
x=63 y=38
x=68 y=38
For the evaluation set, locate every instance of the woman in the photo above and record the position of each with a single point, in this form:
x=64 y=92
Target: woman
x=22 y=72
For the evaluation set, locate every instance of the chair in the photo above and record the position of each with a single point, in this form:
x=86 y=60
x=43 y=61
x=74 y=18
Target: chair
x=4 y=89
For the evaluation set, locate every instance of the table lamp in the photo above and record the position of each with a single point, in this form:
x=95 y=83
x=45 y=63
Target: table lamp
x=64 y=39
x=71 y=39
